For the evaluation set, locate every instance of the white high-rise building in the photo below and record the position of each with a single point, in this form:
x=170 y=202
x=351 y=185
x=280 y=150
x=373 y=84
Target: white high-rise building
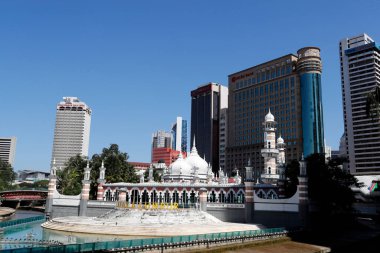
x=72 y=130
x=360 y=73
x=179 y=134
x=8 y=149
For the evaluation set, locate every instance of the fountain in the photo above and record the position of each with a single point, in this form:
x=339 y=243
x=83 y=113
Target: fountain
x=147 y=222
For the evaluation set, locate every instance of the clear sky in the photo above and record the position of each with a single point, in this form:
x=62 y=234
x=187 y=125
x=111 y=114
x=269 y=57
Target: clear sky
x=135 y=62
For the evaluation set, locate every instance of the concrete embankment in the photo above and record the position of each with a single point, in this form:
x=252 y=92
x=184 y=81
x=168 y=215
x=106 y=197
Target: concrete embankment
x=6 y=213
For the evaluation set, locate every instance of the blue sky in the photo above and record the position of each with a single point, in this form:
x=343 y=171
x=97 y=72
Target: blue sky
x=135 y=62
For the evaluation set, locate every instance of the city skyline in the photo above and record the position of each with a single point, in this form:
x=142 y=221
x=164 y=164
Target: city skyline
x=131 y=61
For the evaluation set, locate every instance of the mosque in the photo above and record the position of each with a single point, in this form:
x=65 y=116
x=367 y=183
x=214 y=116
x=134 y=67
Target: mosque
x=190 y=183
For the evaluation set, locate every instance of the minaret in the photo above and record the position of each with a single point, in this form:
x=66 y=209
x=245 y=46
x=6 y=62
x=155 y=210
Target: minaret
x=51 y=189
x=269 y=152
x=101 y=181
x=281 y=166
x=248 y=171
x=85 y=195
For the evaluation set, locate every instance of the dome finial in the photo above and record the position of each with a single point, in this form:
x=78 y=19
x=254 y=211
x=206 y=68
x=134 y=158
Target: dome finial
x=194 y=149
x=269 y=117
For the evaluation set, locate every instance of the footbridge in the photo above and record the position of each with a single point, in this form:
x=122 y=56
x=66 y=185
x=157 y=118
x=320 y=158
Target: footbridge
x=23 y=198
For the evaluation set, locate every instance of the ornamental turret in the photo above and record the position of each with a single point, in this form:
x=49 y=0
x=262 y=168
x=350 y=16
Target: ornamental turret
x=101 y=181
x=270 y=152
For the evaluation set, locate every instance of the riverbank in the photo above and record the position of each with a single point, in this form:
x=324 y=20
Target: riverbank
x=283 y=245
x=6 y=213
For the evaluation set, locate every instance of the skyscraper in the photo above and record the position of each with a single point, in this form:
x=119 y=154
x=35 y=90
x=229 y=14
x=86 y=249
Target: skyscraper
x=72 y=130
x=222 y=137
x=161 y=139
x=290 y=86
x=8 y=149
x=360 y=73
x=206 y=103
x=179 y=133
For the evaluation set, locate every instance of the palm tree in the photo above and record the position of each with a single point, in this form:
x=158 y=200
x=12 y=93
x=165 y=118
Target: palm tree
x=373 y=103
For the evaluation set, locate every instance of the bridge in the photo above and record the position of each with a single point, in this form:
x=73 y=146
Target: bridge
x=23 y=198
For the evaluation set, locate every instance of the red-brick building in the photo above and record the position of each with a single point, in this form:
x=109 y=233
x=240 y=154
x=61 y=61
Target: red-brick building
x=168 y=155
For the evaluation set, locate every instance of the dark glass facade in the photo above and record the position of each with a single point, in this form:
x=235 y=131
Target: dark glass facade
x=205 y=113
x=184 y=136
x=312 y=113
x=201 y=123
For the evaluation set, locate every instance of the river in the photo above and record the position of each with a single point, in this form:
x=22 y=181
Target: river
x=35 y=231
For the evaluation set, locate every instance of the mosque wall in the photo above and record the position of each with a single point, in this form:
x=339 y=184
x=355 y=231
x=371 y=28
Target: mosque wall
x=97 y=208
x=228 y=214
x=62 y=211
x=277 y=219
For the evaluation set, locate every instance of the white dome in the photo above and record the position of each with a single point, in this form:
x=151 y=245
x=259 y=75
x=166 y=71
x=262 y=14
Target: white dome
x=194 y=160
x=269 y=117
x=280 y=140
x=180 y=166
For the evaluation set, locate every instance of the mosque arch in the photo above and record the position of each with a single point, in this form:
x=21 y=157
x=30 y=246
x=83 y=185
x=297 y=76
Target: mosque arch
x=272 y=194
x=108 y=195
x=166 y=196
x=240 y=197
x=222 y=196
x=212 y=197
x=175 y=197
x=115 y=196
x=145 y=197
x=153 y=196
x=193 y=197
x=261 y=194
x=135 y=196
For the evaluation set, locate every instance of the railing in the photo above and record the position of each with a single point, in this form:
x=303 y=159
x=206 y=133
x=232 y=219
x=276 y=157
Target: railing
x=157 y=243
x=21 y=221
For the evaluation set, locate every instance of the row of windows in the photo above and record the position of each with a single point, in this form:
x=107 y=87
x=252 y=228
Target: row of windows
x=264 y=89
x=264 y=76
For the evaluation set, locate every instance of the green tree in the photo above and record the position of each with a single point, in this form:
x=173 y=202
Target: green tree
x=329 y=185
x=156 y=175
x=69 y=179
x=7 y=175
x=117 y=167
x=117 y=170
x=41 y=184
x=373 y=103
x=292 y=172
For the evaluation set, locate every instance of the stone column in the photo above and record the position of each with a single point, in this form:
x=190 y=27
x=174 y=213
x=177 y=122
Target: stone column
x=100 y=192
x=303 y=193
x=203 y=199
x=101 y=181
x=249 y=201
x=122 y=195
